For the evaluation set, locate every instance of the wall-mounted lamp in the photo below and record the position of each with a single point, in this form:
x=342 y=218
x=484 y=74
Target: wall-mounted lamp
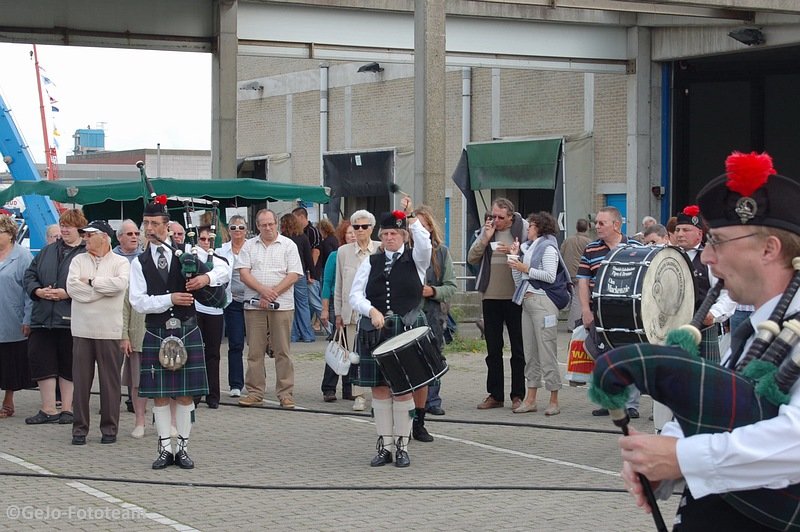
x=371 y=67
x=658 y=191
x=748 y=36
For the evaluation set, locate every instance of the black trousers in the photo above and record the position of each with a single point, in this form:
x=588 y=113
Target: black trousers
x=211 y=328
x=496 y=313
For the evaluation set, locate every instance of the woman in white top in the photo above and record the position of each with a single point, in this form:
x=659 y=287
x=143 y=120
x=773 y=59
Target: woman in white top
x=209 y=320
x=234 y=312
x=539 y=264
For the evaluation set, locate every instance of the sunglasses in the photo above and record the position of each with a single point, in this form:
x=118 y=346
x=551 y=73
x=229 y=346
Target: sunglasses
x=132 y=233
x=497 y=217
x=364 y=227
x=237 y=227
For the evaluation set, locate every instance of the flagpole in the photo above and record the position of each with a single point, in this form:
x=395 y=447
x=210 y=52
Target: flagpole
x=50 y=155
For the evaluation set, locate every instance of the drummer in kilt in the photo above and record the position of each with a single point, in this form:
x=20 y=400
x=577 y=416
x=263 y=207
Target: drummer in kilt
x=387 y=292
x=159 y=289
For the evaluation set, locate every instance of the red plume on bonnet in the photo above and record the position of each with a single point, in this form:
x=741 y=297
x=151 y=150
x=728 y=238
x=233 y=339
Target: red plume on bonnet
x=691 y=210
x=748 y=172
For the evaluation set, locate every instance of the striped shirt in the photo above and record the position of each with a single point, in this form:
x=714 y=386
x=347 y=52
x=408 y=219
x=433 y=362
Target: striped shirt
x=593 y=257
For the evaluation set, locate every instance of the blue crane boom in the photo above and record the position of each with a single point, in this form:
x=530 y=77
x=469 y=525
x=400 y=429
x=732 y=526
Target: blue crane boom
x=40 y=211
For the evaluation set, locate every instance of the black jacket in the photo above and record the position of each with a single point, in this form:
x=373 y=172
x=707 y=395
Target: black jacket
x=50 y=268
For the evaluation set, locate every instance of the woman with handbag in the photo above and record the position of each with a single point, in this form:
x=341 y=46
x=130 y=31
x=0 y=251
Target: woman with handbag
x=348 y=259
x=439 y=287
x=345 y=234
x=532 y=274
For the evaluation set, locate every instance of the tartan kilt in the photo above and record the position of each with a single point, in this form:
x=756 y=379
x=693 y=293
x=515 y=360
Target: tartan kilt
x=157 y=381
x=368 y=374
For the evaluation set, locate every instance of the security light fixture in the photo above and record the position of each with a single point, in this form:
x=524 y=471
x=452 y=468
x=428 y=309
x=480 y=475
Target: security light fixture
x=371 y=67
x=748 y=36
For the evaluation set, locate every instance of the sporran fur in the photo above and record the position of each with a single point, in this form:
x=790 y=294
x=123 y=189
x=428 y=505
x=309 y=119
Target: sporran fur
x=172 y=354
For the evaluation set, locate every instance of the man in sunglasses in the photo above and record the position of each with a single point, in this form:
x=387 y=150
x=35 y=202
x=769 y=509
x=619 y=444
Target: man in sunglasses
x=497 y=287
x=128 y=236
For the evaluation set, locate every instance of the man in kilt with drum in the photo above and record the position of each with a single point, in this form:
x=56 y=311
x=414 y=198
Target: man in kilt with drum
x=387 y=292
x=689 y=233
x=159 y=289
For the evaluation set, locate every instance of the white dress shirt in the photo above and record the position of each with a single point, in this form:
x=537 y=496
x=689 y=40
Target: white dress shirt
x=144 y=303
x=421 y=254
x=762 y=455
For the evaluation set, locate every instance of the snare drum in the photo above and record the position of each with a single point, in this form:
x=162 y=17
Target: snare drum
x=642 y=293
x=410 y=360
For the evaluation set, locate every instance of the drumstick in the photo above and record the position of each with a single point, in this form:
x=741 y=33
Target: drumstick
x=620 y=418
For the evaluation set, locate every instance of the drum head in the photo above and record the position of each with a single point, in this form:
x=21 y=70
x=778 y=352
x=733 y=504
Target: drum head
x=668 y=294
x=404 y=338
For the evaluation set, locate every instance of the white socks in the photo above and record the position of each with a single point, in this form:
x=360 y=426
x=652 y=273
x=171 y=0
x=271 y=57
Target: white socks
x=163 y=422
x=183 y=422
x=382 y=410
x=403 y=418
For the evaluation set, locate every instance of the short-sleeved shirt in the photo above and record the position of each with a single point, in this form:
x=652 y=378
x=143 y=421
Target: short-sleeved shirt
x=270 y=264
x=593 y=257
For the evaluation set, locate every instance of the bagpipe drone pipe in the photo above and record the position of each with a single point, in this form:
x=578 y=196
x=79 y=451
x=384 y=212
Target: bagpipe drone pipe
x=191 y=265
x=708 y=398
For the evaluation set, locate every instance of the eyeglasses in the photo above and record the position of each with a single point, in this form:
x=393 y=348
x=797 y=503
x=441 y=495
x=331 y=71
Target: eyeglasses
x=360 y=226
x=237 y=227
x=713 y=242
x=204 y=239
x=132 y=233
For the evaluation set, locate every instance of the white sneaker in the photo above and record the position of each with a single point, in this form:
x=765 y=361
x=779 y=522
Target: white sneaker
x=236 y=392
x=360 y=404
x=138 y=431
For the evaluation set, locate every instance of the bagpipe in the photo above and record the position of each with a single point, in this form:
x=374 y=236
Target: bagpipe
x=708 y=398
x=191 y=265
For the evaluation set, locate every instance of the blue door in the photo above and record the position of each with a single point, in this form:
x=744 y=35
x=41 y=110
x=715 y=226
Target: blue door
x=619 y=201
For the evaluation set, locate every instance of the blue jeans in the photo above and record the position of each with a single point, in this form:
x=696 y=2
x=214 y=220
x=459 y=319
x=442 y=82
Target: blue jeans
x=315 y=303
x=235 y=330
x=433 y=397
x=301 y=327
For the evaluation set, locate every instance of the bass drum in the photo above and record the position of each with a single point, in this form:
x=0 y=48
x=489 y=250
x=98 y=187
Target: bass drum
x=642 y=293
x=410 y=360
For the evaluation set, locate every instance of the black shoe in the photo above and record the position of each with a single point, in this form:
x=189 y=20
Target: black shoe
x=41 y=417
x=197 y=399
x=66 y=418
x=164 y=459
x=329 y=397
x=213 y=404
x=108 y=438
x=183 y=461
x=79 y=440
x=401 y=459
x=382 y=458
x=633 y=413
x=435 y=411
x=604 y=412
x=129 y=406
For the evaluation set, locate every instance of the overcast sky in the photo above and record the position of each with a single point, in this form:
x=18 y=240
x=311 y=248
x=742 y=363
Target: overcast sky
x=139 y=97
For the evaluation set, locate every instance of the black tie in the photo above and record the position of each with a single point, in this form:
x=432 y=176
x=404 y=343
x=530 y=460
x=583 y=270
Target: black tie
x=390 y=262
x=738 y=340
x=162 y=264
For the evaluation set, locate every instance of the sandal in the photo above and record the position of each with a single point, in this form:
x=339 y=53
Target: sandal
x=6 y=411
